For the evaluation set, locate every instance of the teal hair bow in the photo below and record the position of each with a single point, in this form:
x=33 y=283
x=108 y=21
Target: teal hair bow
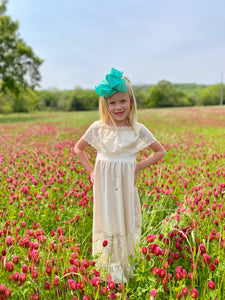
x=113 y=83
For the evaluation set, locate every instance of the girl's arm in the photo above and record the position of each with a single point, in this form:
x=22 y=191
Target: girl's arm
x=79 y=150
x=158 y=153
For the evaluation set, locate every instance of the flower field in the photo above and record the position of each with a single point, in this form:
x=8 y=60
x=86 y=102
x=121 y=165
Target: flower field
x=46 y=210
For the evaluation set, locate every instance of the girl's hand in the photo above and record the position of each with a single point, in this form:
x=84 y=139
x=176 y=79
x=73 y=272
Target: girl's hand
x=92 y=175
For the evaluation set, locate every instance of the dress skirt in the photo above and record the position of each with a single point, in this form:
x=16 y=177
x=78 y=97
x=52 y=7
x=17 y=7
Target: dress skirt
x=117 y=215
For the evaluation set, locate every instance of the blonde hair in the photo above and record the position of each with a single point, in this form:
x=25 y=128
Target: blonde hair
x=132 y=117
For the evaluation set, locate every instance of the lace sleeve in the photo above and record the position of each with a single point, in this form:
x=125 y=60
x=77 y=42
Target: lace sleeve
x=91 y=135
x=145 y=139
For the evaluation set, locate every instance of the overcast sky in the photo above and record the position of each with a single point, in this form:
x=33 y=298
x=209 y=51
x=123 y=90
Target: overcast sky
x=150 y=40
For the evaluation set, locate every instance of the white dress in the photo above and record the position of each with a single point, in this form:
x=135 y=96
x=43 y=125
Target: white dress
x=116 y=211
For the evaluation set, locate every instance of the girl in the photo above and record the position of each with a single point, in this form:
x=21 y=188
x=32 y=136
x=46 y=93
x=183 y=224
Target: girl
x=117 y=137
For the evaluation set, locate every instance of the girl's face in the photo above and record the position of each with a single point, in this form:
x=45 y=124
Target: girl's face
x=119 y=108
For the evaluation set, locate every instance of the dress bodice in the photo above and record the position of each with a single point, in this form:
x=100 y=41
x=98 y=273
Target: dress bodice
x=118 y=141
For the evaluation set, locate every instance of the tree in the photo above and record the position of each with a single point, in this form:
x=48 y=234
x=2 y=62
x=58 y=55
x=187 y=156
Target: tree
x=141 y=93
x=19 y=66
x=6 y=103
x=211 y=95
x=47 y=100
x=164 y=94
x=84 y=100
x=25 y=102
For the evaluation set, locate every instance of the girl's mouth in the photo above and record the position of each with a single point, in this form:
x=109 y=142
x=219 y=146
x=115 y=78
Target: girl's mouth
x=120 y=113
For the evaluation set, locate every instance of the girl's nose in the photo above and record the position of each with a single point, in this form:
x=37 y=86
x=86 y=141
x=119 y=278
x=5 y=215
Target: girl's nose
x=118 y=105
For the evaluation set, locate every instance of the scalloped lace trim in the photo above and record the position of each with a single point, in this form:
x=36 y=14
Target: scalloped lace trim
x=114 y=258
x=119 y=272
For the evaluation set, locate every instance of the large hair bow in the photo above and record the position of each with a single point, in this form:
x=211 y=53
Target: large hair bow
x=113 y=83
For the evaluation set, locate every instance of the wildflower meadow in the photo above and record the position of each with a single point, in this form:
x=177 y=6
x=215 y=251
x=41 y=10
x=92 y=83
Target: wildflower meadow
x=46 y=209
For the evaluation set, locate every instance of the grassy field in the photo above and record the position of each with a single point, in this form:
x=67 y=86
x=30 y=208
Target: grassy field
x=46 y=209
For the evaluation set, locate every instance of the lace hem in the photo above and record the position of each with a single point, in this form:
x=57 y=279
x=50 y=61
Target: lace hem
x=114 y=257
x=120 y=272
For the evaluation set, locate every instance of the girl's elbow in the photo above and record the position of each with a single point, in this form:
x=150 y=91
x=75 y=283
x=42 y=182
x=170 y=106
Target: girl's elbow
x=162 y=153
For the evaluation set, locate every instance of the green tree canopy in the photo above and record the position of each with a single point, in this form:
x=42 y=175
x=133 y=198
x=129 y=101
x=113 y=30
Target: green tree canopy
x=84 y=100
x=47 y=100
x=141 y=93
x=19 y=66
x=211 y=95
x=6 y=102
x=164 y=94
x=25 y=102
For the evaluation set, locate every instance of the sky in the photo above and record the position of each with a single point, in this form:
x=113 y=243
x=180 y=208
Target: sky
x=182 y=41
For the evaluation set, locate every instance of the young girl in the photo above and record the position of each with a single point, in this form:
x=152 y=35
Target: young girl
x=117 y=137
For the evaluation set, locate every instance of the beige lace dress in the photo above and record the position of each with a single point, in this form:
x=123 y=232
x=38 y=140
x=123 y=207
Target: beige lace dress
x=116 y=211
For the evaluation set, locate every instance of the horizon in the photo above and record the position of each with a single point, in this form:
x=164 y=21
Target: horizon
x=133 y=85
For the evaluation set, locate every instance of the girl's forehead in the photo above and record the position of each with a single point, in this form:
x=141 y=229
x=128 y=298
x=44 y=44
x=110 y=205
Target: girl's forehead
x=118 y=96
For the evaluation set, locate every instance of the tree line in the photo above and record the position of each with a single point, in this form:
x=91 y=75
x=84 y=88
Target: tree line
x=20 y=75
x=162 y=94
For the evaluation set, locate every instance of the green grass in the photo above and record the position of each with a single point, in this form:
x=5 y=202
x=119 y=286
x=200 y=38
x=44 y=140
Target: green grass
x=66 y=118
